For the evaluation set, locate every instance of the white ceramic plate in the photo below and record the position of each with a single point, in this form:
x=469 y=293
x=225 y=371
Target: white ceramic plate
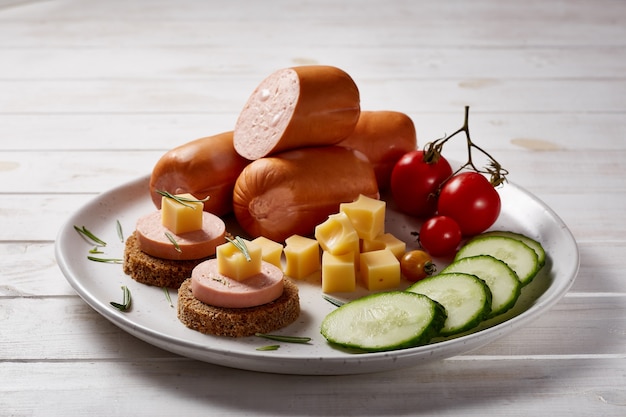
x=153 y=320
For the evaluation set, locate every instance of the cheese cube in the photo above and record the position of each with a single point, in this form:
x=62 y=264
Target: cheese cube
x=367 y=216
x=338 y=274
x=337 y=235
x=232 y=262
x=302 y=256
x=181 y=218
x=385 y=241
x=380 y=270
x=270 y=251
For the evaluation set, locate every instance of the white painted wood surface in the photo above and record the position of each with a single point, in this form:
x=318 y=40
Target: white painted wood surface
x=93 y=92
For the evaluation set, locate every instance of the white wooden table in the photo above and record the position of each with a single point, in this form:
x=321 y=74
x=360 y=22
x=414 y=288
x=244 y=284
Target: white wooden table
x=92 y=93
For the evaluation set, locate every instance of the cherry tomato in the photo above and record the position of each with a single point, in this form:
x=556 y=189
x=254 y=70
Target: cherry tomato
x=414 y=183
x=416 y=265
x=440 y=236
x=470 y=199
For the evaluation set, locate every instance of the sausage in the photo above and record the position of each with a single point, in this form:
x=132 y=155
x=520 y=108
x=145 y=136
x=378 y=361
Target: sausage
x=207 y=166
x=312 y=105
x=383 y=136
x=152 y=238
x=294 y=191
x=213 y=288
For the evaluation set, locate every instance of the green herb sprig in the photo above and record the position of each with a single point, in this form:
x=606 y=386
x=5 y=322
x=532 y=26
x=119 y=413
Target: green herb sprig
x=241 y=245
x=106 y=260
x=85 y=233
x=286 y=339
x=120 y=233
x=268 y=347
x=182 y=200
x=174 y=242
x=333 y=300
x=125 y=305
x=167 y=296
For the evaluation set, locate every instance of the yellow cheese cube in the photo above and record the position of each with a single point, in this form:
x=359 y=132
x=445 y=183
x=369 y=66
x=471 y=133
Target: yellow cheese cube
x=338 y=274
x=385 y=241
x=302 y=256
x=270 y=251
x=367 y=216
x=371 y=245
x=181 y=218
x=232 y=262
x=337 y=235
x=380 y=270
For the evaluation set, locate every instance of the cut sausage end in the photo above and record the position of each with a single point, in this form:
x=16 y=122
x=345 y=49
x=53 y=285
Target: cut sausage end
x=314 y=105
x=266 y=114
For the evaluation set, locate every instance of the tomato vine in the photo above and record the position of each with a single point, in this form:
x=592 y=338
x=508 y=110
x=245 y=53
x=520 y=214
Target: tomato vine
x=432 y=152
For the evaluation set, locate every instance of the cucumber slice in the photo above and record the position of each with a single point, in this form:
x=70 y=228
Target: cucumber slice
x=384 y=321
x=502 y=281
x=536 y=246
x=516 y=254
x=465 y=297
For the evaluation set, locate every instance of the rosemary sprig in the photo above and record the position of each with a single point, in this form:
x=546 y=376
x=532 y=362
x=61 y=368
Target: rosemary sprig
x=182 y=200
x=84 y=232
x=241 y=245
x=268 y=347
x=127 y=299
x=167 y=296
x=333 y=300
x=106 y=260
x=286 y=339
x=174 y=242
x=120 y=234
x=95 y=250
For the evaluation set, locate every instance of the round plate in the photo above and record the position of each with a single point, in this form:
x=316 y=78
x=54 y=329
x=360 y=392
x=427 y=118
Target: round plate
x=152 y=318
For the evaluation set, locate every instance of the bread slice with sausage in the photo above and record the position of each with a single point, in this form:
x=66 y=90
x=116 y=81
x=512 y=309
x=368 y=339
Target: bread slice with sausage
x=150 y=270
x=238 y=322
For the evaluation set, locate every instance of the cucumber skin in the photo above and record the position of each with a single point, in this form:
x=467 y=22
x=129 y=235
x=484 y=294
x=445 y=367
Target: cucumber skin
x=535 y=245
x=431 y=331
x=479 y=318
x=516 y=292
x=525 y=280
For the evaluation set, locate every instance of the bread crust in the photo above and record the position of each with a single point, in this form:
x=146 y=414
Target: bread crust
x=238 y=322
x=150 y=270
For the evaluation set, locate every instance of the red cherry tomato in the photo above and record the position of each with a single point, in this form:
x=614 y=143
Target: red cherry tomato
x=416 y=265
x=414 y=183
x=440 y=236
x=470 y=199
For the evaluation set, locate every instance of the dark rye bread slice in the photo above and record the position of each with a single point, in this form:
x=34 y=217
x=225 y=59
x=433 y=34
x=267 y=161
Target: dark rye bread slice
x=150 y=270
x=238 y=322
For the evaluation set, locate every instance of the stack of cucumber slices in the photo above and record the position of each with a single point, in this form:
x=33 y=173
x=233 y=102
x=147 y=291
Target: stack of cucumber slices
x=483 y=281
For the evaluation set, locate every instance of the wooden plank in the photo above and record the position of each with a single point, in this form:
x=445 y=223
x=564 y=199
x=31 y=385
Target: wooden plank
x=315 y=24
x=97 y=171
x=402 y=62
x=536 y=132
x=228 y=95
x=575 y=386
x=29 y=269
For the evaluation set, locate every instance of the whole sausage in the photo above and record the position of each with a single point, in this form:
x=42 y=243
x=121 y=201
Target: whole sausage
x=312 y=105
x=294 y=191
x=383 y=136
x=203 y=167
